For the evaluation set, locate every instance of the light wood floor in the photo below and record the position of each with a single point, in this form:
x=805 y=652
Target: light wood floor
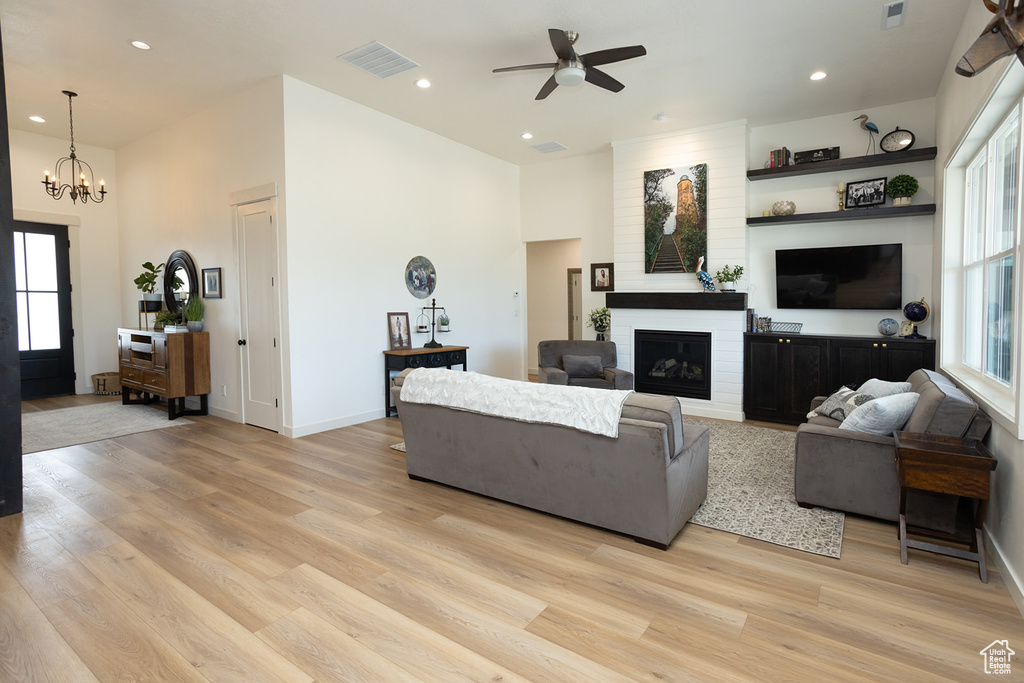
x=220 y=552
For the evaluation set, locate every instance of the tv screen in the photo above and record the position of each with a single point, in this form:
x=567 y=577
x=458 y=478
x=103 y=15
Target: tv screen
x=864 y=277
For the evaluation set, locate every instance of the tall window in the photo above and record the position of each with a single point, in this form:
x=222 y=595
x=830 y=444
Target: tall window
x=990 y=242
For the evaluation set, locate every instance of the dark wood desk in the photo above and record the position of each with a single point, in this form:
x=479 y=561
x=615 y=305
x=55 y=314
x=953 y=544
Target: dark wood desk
x=945 y=464
x=400 y=359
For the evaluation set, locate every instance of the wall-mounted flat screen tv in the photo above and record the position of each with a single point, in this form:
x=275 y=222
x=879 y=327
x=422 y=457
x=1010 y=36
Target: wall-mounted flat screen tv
x=861 y=277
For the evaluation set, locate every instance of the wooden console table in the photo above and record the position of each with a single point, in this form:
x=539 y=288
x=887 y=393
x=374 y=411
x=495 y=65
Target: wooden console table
x=945 y=464
x=400 y=359
x=169 y=365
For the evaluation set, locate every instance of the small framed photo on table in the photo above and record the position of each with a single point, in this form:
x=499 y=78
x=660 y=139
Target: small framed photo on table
x=211 y=283
x=865 y=193
x=602 y=277
x=398 y=331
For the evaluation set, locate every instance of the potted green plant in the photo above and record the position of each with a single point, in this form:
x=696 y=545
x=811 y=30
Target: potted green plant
x=443 y=321
x=193 y=312
x=901 y=188
x=727 y=277
x=146 y=282
x=165 y=318
x=600 y=319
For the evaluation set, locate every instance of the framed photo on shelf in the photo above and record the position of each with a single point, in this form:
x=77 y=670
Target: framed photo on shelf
x=211 y=283
x=865 y=193
x=398 y=331
x=602 y=277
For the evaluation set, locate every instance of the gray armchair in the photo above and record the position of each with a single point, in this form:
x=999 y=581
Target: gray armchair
x=581 y=363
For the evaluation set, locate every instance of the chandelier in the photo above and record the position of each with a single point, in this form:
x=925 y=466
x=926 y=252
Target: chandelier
x=74 y=169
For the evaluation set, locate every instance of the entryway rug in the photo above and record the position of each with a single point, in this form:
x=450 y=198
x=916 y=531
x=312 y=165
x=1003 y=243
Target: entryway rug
x=750 y=490
x=47 y=429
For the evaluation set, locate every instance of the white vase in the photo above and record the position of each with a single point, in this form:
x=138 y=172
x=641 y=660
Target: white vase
x=151 y=296
x=901 y=200
x=728 y=286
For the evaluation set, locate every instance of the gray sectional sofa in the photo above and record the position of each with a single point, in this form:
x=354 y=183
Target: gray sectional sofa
x=646 y=483
x=856 y=472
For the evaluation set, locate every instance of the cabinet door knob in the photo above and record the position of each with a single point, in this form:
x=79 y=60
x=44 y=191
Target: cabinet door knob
x=780 y=341
x=241 y=342
x=875 y=345
x=885 y=346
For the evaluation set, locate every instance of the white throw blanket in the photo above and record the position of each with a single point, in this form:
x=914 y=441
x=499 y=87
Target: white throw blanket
x=589 y=410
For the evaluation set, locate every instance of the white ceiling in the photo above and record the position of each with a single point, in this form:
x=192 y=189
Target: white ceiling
x=708 y=61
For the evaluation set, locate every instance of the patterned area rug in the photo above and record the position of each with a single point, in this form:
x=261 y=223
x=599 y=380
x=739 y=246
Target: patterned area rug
x=49 y=429
x=750 y=490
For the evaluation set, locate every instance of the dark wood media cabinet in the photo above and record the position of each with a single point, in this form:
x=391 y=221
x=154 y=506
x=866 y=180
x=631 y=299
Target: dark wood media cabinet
x=783 y=372
x=168 y=365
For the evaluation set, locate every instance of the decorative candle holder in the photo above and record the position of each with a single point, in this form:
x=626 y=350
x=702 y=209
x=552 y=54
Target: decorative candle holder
x=841 y=191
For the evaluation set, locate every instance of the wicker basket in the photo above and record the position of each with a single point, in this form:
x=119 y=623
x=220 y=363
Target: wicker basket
x=791 y=328
x=106 y=383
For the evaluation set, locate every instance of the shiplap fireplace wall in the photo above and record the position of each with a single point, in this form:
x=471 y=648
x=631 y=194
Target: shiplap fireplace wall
x=724 y=149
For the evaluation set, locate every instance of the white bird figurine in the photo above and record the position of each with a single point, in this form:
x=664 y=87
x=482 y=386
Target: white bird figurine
x=871 y=129
x=703 y=277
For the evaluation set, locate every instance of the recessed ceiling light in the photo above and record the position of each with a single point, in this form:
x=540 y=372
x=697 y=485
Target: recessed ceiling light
x=141 y=45
x=527 y=136
x=660 y=117
x=423 y=83
x=37 y=119
x=818 y=75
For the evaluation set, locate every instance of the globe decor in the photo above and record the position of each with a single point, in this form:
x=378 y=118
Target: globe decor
x=916 y=312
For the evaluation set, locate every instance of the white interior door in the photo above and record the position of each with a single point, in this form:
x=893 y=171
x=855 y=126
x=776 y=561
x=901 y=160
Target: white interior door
x=259 y=337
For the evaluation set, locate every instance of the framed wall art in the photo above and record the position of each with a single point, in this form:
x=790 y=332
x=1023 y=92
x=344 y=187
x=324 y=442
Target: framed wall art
x=675 y=218
x=602 y=277
x=398 y=331
x=865 y=193
x=211 y=283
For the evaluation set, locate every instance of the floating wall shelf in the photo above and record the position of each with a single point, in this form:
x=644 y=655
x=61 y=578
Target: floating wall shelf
x=849 y=164
x=848 y=215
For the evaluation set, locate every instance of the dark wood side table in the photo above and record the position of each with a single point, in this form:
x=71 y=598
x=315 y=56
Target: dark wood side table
x=945 y=464
x=400 y=359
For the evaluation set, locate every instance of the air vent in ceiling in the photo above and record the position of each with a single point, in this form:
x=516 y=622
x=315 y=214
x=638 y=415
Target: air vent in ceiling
x=549 y=147
x=378 y=59
x=893 y=14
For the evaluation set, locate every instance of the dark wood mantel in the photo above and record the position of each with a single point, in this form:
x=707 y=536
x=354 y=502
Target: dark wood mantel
x=689 y=301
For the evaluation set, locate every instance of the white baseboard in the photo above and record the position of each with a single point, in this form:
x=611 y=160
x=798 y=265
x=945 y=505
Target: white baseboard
x=347 y=421
x=1010 y=578
x=231 y=415
x=698 y=408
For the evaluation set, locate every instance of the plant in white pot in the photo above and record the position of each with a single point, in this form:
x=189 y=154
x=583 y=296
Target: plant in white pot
x=727 y=277
x=443 y=322
x=193 y=311
x=600 y=319
x=901 y=188
x=146 y=281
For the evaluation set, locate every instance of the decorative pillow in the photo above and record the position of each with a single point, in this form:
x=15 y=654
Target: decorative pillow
x=879 y=388
x=883 y=415
x=840 y=404
x=582 y=366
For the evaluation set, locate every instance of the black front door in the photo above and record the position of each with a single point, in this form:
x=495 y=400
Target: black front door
x=42 y=274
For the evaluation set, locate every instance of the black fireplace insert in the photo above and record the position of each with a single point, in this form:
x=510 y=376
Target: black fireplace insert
x=672 y=363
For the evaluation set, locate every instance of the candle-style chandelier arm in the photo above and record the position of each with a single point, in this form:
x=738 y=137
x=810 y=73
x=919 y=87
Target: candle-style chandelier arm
x=80 y=185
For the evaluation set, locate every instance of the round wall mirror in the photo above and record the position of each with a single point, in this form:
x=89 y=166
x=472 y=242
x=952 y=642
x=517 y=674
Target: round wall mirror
x=181 y=280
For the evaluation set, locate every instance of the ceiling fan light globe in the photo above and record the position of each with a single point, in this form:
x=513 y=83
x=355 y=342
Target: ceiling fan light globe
x=570 y=75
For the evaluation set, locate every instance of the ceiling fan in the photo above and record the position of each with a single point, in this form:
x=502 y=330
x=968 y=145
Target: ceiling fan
x=573 y=69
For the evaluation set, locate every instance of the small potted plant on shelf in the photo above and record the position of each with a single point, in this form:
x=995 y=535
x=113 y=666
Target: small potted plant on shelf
x=193 y=311
x=146 y=282
x=727 y=277
x=901 y=188
x=164 y=318
x=600 y=319
x=443 y=321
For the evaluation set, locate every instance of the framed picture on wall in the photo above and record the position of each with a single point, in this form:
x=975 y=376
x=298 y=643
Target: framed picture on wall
x=398 y=331
x=602 y=277
x=865 y=193
x=211 y=283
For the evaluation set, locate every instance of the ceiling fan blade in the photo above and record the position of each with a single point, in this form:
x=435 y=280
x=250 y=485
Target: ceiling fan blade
x=615 y=54
x=560 y=43
x=602 y=80
x=546 y=90
x=525 y=67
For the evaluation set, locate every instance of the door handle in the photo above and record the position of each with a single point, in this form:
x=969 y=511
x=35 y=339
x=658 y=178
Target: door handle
x=241 y=342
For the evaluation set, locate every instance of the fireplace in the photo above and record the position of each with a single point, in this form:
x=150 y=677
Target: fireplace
x=672 y=363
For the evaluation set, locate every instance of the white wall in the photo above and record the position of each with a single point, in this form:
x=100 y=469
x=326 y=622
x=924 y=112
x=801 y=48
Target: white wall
x=366 y=193
x=567 y=199
x=958 y=102
x=95 y=267
x=817 y=192
x=547 y=309
x=175 y=187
